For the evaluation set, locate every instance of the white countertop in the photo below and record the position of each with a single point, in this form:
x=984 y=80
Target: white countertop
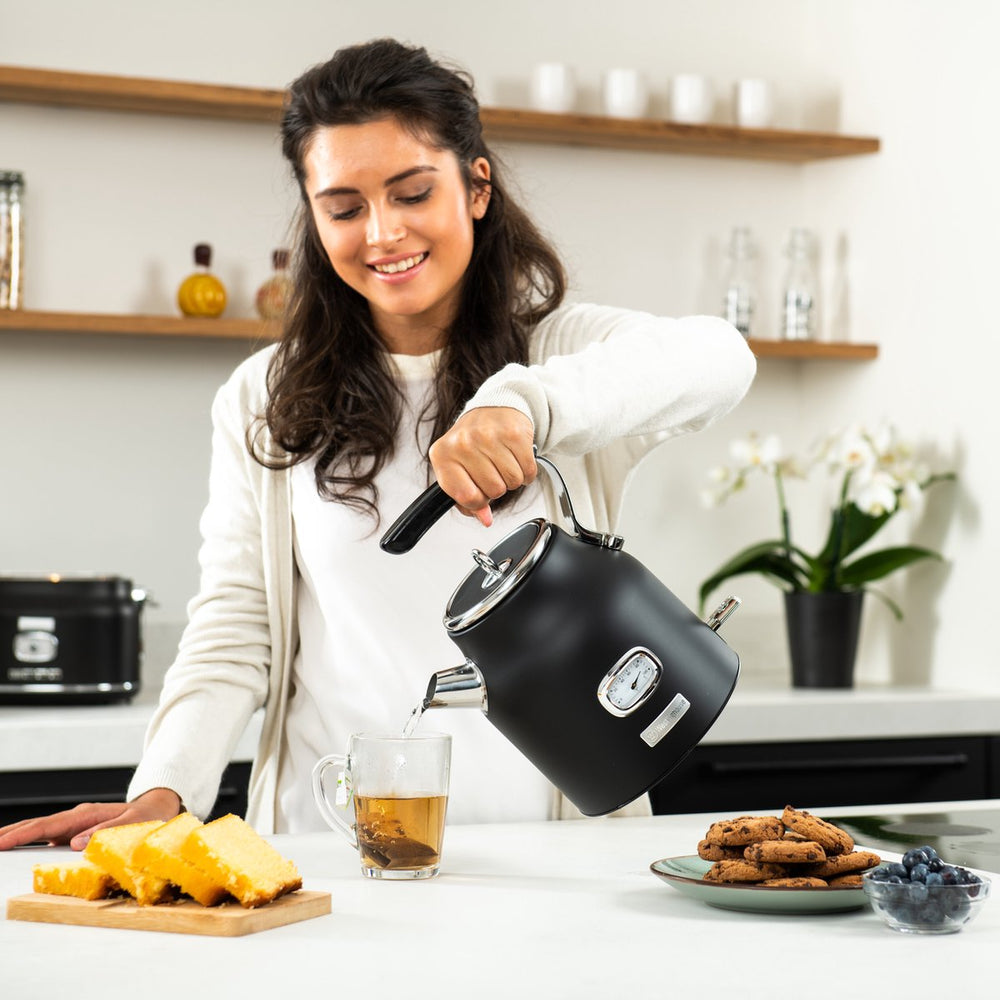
x=540 y=910
x=40 y=738
x=33 y=739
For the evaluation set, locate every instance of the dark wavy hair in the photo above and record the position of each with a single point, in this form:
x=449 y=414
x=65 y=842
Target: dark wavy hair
x=332 y=394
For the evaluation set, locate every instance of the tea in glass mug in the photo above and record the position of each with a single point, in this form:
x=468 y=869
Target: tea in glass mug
x=397 y=789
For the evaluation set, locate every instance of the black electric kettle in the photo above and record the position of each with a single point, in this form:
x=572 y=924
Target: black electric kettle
x=578 y=654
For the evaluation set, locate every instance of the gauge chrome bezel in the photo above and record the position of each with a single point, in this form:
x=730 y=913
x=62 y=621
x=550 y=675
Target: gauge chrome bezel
x=604 y=688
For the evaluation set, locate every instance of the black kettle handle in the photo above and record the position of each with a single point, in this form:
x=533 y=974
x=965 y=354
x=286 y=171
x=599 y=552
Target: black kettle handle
x=414 y=522
x=434 y=503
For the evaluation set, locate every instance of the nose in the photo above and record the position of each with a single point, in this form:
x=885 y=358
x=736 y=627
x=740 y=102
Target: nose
x=384 y=227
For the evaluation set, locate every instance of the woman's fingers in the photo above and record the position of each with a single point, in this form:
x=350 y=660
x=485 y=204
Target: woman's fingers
x=157 y=803
x=75 y=826
x=60 y=827
x=485 y=454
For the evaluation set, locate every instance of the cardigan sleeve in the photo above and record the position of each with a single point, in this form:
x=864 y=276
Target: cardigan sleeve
x=599 y=373
x=220 y=675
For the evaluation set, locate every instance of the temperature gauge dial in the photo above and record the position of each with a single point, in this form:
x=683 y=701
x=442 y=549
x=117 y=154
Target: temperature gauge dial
x=629 y=682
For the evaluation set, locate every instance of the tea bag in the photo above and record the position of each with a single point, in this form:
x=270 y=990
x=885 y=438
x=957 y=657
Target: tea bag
x=389 y=847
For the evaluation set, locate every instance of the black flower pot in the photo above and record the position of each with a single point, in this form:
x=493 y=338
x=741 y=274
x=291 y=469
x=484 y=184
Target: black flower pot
x=823 y=637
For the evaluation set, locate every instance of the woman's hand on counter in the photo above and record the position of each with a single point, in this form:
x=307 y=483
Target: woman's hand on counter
x=75 y=826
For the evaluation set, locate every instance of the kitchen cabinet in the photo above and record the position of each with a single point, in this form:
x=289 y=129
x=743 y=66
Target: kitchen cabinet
x=729 y=778
x=25 y=794
x=169 y=97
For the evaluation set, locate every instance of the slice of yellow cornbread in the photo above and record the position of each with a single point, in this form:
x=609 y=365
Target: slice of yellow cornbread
x=79 y=877
x=158 y=855
x=236 y=857
x=112 y=850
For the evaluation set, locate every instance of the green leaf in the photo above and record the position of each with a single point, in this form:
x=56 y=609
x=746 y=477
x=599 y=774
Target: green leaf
x=768 y=558
x=856 y=528
x=879 y=564
x=887 y=601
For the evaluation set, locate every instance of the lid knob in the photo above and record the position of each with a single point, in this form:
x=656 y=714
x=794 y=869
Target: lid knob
x=492 y=572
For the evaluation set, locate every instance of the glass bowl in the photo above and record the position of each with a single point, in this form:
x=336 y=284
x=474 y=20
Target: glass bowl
x=919 y=908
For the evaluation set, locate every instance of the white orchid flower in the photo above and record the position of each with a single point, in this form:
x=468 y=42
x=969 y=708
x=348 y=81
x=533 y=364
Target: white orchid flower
x=754 y=452
x=852 y=450
x=725 y=482
x=711 y=498
x=910 y=494
x=883 y=440
x=793 y=468
x=874 y=493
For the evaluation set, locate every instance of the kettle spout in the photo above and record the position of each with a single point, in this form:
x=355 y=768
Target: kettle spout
x=456 y=687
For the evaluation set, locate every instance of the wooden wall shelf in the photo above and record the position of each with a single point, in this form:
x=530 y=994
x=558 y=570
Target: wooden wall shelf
x=813 y=350
x=31 y=321
x=174 y=97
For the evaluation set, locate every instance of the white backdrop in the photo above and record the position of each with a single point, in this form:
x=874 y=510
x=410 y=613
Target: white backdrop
x=107 y=438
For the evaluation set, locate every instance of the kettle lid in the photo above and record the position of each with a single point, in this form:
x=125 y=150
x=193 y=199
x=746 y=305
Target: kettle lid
x=497 y=574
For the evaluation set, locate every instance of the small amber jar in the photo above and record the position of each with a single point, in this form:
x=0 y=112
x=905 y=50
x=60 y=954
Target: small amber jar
x=201 y=293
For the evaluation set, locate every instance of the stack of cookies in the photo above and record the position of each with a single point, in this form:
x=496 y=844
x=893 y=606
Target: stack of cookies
x=794 y=850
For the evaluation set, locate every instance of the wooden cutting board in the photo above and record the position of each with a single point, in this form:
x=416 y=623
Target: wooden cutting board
x=188 y=917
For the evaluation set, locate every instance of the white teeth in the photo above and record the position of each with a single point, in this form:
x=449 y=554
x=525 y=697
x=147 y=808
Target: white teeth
x=399 y=265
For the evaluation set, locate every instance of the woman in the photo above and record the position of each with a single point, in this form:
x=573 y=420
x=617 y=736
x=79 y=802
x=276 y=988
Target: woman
x=427 y=339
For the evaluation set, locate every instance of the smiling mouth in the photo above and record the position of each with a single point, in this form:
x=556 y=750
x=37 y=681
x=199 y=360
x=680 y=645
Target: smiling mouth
x=399 y=266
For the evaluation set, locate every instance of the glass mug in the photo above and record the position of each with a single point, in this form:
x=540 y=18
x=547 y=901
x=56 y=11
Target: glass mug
x=398 y=788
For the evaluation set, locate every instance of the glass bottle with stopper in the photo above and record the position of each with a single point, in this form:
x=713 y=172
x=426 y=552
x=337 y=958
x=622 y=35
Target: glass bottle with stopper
x=11 y=239
x=202 y=293
x=740 y=297
x=273 y=294
x=799 y=306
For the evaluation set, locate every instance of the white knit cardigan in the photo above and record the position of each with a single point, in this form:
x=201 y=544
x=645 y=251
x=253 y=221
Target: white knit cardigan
x=603 y=387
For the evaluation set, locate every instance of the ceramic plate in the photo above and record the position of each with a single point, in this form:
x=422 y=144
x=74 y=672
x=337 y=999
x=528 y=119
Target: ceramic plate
x=685 y=875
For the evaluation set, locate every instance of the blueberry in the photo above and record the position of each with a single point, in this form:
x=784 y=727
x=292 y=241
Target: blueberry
x=919 y=872
x=915 y=856
x=898 y=870
x=935 y=864
x=880 y=874
x=956 y=905
x=932 y=912
x=933 y=878
x=932 y=855
x=949 y=875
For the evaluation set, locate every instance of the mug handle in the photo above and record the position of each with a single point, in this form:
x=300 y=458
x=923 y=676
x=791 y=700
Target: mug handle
x=332 y=816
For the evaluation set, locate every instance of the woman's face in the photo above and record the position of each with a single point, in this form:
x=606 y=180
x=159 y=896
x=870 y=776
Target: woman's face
x=395 y=218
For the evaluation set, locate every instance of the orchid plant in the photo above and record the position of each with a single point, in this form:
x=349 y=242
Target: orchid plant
x=877 y=476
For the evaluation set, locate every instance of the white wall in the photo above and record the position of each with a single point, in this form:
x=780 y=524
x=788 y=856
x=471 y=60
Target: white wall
x=107 y=438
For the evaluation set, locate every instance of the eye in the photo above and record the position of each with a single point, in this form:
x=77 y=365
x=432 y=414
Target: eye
x=415 y=199
x=344 y=214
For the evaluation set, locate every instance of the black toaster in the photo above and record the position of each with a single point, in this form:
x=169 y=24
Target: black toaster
x=70 y=640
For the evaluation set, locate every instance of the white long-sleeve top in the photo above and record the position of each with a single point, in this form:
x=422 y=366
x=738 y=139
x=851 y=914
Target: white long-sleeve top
x=602 y=388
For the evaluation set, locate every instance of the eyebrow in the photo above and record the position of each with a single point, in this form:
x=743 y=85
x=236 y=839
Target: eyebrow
x=395 y=179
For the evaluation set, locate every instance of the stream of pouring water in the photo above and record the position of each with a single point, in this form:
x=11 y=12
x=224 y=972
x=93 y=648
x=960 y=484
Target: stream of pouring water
x=414 y=720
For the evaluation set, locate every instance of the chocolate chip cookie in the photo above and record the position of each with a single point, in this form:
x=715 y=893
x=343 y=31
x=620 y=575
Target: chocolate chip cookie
x=785 y=851
x=745 y=830
x=742 y=871
x=830 y=837
x=841 y=864
x=719 y=852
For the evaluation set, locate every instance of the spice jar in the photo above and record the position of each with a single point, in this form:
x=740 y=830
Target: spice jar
x=11 y=239
x=201 y=293
x=272 y=296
